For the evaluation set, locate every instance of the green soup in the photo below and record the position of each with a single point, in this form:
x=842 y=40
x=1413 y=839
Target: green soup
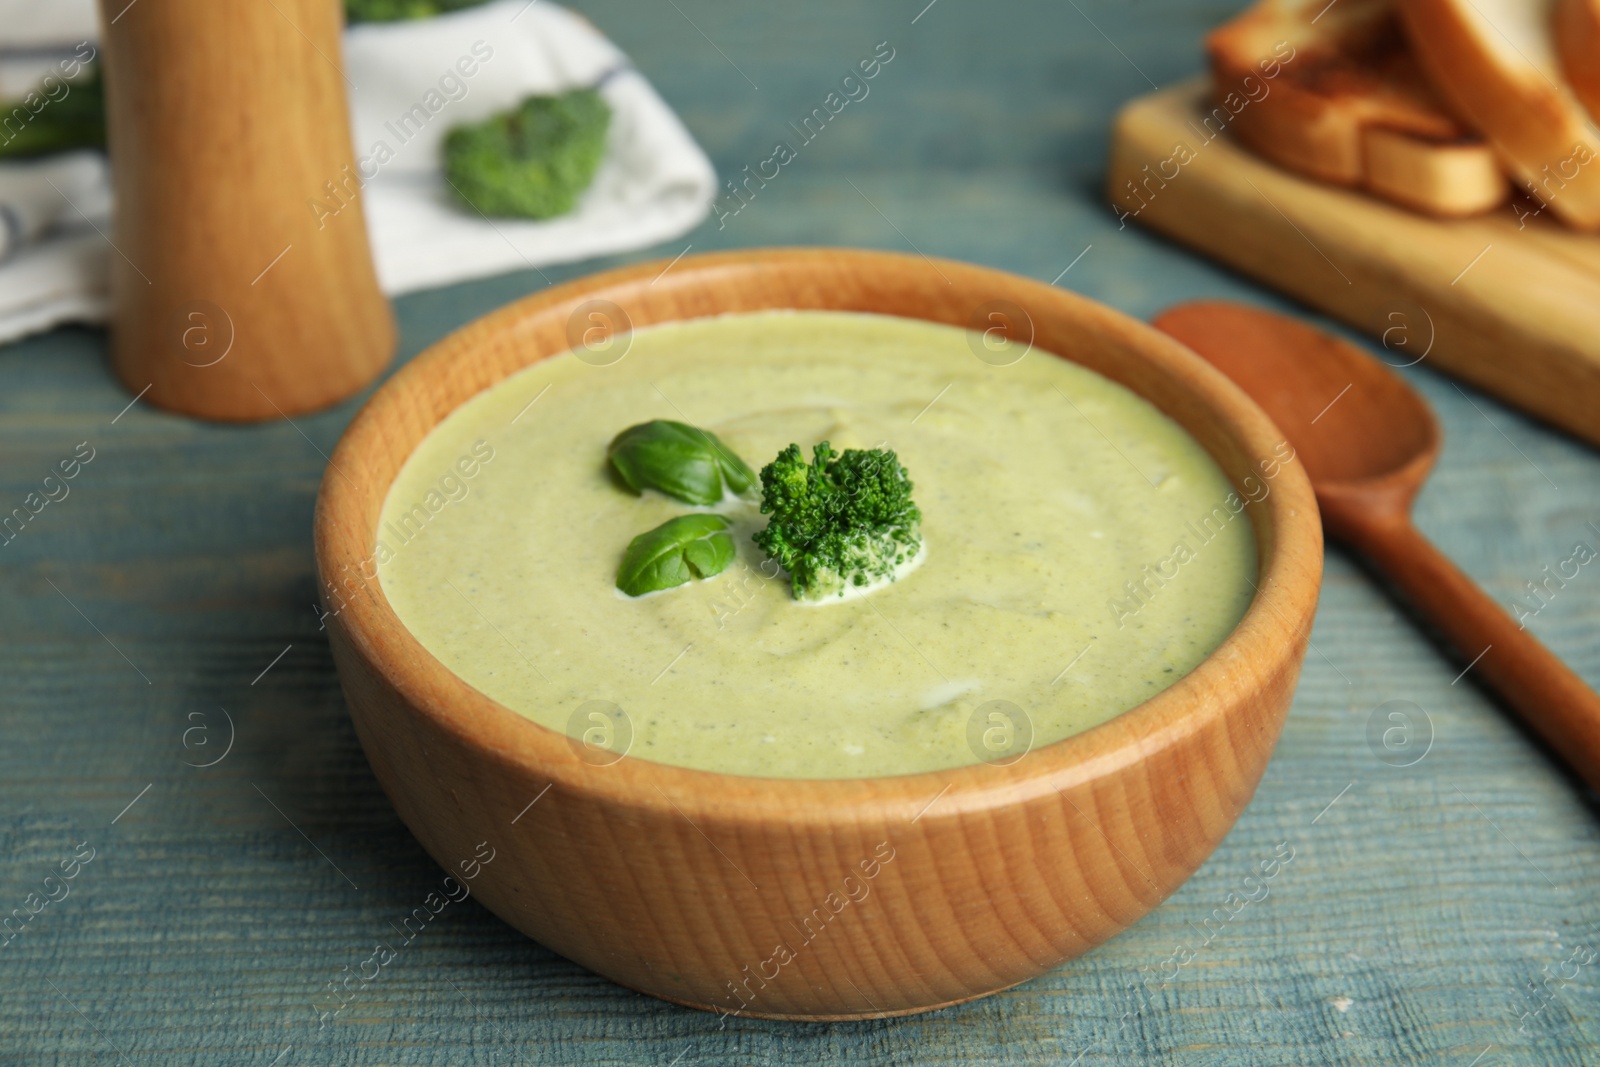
x=1082 y=553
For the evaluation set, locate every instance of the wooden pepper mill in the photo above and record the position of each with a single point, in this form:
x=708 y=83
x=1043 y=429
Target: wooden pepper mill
x=233 y=297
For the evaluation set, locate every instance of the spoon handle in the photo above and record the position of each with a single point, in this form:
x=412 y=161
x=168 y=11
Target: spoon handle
x=1501 y=654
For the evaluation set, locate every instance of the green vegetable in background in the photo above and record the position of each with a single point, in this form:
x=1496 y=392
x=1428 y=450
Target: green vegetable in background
x=690 y=546
x=679 y=460
x=396 y=10
x=845 y=519
x=76 y=119
x=533 y=160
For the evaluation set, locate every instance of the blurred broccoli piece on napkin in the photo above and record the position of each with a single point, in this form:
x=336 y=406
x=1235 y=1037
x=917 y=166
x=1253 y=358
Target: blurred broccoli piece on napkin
x=397 y=10
x=42 y=123
x=533 y=160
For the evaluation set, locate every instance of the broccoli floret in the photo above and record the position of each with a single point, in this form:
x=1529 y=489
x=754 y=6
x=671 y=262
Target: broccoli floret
x=533 y=160
x=845 y=519
x=74 y=120
x=397 y=10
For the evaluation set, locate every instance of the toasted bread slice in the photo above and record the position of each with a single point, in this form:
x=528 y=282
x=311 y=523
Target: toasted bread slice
x=1495 y=61
x=1578 y=42
x=1453 y=178
x=1332 y=91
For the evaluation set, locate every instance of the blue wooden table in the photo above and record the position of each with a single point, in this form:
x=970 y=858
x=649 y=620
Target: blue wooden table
x=1437 y=910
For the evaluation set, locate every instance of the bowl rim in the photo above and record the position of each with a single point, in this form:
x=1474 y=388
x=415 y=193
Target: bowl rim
x=1286 y=522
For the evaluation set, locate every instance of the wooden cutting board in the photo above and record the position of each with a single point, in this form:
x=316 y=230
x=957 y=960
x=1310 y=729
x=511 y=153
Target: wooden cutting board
x=1510 y=304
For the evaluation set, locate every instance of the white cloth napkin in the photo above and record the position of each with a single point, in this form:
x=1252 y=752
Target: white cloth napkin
x=654 y=184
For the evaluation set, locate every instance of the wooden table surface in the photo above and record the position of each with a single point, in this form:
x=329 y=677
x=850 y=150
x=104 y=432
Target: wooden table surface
x=1442 y=912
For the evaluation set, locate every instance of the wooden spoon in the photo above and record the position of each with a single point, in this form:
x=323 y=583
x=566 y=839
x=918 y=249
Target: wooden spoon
x=1367 y=441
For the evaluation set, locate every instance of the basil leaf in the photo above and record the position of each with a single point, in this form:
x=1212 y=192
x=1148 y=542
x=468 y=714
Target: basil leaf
x=690 y=546
x=679 y=460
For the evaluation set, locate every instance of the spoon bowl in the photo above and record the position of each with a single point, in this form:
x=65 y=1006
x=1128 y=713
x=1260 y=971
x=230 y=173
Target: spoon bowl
x=1351 y=421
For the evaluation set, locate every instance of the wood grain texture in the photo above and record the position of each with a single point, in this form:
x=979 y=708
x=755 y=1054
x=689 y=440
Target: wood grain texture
x=1509 y=301
x=723 y=889
x=233 y=298
x=1421 y=911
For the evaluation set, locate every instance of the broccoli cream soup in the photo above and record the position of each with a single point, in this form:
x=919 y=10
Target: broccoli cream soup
x=1081 y=552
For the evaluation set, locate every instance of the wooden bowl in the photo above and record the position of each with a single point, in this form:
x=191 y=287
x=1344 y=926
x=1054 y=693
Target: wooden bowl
x=810 y=899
